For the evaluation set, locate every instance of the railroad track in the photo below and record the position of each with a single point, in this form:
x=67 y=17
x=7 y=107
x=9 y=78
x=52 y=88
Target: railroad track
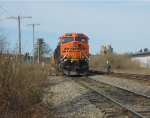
x=138 y=77
x=134 y=104
x=132 y=76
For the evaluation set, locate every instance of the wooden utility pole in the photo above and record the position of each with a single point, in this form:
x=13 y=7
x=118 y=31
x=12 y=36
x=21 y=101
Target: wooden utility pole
x=33 y=26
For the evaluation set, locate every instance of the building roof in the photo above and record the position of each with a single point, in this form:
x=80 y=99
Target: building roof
x=139 y=54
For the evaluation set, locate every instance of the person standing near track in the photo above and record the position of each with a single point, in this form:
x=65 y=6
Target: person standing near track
x=108 y=66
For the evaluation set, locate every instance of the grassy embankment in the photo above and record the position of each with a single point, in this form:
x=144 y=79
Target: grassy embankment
x=119 y=63
x=21 y=89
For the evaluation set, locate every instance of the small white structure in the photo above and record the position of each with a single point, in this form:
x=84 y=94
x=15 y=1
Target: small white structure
x=142 y=57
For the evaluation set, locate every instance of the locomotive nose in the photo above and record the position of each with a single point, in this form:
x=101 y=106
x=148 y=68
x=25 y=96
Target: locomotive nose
x=75 y=44
x=79 y=46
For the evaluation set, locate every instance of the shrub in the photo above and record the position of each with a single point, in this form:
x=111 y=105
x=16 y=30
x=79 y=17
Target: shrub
x=20 y=87
x=117 y=62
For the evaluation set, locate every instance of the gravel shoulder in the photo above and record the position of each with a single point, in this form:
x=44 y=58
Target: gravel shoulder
x=124 y=83
x=70 y=100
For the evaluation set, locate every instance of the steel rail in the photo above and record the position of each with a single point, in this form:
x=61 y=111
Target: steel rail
x=130 y=111
x=134 y=92
x=132 y=76
x=139 y=77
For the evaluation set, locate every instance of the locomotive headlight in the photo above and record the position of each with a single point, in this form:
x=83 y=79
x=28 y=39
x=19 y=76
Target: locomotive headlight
x=65 y=60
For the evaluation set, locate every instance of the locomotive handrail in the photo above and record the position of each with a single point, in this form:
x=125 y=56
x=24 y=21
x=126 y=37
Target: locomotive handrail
x=85 y=55
x=65 y=55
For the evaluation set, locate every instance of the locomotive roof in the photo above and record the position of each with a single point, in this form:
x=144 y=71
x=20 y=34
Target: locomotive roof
x=74 y=35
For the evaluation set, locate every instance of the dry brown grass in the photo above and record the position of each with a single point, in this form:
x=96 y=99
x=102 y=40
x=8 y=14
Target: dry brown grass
x=119 y=63
x=20 y=88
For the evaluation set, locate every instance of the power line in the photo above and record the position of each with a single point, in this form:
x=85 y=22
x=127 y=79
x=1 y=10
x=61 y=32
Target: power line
x=33 y=26
x=6 y=11
x=10 y=15
x=18 y=18
x=19 y=29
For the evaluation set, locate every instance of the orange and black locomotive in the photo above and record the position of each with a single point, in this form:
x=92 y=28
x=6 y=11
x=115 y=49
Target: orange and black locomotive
x=72 y=54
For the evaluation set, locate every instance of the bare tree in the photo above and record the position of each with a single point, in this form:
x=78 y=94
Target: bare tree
x=3 y=43
x=4 y=47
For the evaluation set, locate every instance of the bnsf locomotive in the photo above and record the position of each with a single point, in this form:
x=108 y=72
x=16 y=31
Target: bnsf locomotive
x=72 y=54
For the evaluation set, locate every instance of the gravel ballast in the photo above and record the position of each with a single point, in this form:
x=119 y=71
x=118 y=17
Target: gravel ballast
x=69 y=99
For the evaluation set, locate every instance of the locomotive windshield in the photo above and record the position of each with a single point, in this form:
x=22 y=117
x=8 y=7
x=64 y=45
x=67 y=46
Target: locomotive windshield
x=67 y=39
x=81 y=39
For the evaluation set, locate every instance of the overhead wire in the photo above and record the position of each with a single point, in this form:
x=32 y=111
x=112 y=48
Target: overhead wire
x=6 y=11
x=15 y=19
x=11 y=15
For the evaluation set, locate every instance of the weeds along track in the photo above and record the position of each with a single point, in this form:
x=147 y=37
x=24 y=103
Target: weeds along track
x=134 y=104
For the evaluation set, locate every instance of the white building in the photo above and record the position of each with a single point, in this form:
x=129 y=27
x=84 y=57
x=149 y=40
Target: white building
x=142 y=57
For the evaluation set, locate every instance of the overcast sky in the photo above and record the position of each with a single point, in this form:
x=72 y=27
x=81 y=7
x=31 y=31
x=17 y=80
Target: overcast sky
x=124 y=24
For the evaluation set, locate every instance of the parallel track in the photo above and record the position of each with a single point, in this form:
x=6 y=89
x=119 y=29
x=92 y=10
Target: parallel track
x=145 y=78
x=138 y=77
x=134 y=104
